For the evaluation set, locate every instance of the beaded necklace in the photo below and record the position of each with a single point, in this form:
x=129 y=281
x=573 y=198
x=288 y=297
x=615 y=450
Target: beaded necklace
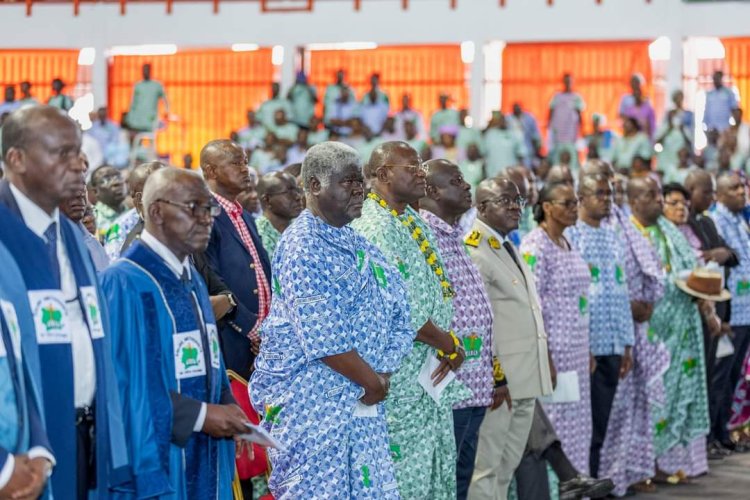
x=424 y=246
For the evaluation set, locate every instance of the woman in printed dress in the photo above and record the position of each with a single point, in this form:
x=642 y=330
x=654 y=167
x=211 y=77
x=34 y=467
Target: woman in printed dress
x=562 y=279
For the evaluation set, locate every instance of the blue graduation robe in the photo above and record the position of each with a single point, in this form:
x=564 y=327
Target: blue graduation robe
x=159 y=350
x=21 y=419
x=56 y=357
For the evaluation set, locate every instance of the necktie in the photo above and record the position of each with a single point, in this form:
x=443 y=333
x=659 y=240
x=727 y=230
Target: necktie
x=509 y=248
x=51 y=236
x=188 y=285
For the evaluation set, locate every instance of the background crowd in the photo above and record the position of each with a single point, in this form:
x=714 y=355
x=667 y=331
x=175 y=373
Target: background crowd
x=547 y=274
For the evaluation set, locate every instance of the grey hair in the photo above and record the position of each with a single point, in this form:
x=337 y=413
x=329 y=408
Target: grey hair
x=326 y=159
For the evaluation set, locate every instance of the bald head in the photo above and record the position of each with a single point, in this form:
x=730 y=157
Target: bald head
x=140 y=173
x=41 y=151
x=698 y=178
x=24 y=126
x=560 y=174
x=639 y=185
x=493 y=187
x=388 y=153
x=439 y=171
x=213 y=152
x=645 y=198
x=518 y=176
x=165 y=183
x=597 y=167
x=272 y=181
x=179 y=210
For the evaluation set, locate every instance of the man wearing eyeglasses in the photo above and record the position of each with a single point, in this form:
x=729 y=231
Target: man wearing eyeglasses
x=420 y=429
x=236 y=253
x=110 y=197
x=519 y=338
x=179 y=407
x=281 y=199
x=611 y=334
x=41 y=149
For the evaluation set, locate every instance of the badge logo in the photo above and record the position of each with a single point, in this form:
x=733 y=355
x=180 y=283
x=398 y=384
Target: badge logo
x=379 y=274
x=395 y=452
x=188 y=355
x=472 y=346
x=473 y=239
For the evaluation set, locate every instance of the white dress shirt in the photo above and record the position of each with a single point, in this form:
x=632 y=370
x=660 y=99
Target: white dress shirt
x=177 y=267
x=84 y=365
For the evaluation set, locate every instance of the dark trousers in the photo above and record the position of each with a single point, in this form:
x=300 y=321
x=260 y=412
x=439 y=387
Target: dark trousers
x=532 y=482
x=466 y=422
x=718 y=371
x=85 y=453
x=604 y=382
x=727 y=372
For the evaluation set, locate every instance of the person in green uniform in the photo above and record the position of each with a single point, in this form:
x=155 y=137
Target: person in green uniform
x=144 y=107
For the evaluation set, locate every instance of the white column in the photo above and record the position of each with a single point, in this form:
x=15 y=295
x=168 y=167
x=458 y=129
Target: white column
x=99 y=77
x=476 y=84
x=288 y=68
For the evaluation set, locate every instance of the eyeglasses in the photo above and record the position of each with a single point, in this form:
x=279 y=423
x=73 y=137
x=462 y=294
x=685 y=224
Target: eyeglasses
x=294 y=192
x=412 y=169
x=674 y=203
x=601 y=194
x=196 y=210
x=566 y=203
x=507 y=201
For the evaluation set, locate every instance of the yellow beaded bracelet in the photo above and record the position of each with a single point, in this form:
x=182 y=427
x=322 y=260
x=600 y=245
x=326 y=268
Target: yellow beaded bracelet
x=456 y=343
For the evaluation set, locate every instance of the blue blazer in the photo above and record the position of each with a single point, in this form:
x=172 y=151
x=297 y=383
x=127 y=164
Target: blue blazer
x=227 y=255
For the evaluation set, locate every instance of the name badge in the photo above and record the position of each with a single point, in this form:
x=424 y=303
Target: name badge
x=11 y=320
x=188 y=355
x=50 y=316
x=213 y=339
x=93 y=313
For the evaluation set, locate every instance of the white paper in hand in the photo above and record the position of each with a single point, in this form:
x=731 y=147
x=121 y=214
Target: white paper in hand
x=261 y=436
x=725 y=347
x=425 y=379
x=567 y=390
x=367 y=411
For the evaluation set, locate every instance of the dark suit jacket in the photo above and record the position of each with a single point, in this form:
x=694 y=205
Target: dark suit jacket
x=705 y=229
x=234 y=264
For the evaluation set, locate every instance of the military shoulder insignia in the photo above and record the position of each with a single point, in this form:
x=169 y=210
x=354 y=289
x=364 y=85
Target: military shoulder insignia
x=494 y=243
x=473 y=239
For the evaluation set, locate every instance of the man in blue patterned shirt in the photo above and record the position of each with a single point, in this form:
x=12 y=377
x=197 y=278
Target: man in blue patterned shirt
x=733 y=228
x=611 y=323
x=339 y=326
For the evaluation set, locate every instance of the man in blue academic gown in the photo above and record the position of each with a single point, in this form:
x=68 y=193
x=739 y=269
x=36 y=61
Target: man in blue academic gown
x=180 y=413
x=82 y=411
x=25 y=452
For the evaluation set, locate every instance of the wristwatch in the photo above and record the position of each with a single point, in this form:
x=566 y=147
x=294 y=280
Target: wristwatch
x=232 y=302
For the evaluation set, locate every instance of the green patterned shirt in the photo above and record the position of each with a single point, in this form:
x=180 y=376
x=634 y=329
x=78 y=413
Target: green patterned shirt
x=269 y=235
x=420 y=431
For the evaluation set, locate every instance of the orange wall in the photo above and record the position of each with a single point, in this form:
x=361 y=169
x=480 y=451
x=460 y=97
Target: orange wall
x=532 y=74
x=738 y=67
x=39 y=67
x=208 y=90
x=422 y=70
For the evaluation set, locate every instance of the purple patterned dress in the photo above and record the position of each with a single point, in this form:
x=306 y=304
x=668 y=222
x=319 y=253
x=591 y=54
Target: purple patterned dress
x=628 y=455
x=562 y=279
